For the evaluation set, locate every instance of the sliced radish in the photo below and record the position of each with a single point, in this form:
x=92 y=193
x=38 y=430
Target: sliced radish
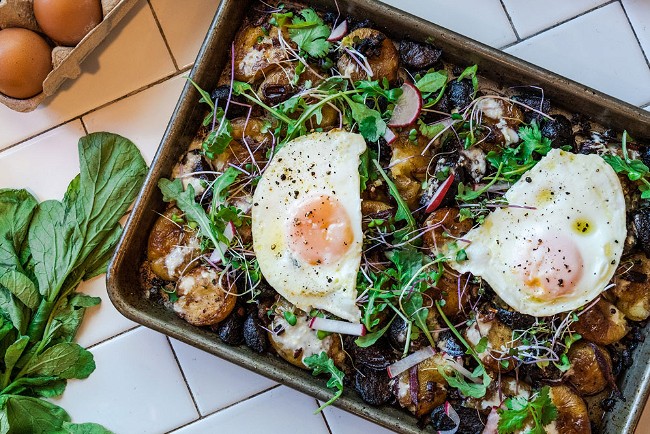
x=411 y=360
x=407 y=108
x=390 y=136
x=451 y=413
x=217 y=254
x=492 y=422
x=336 y=326
x=440 y=193
x=338 y=32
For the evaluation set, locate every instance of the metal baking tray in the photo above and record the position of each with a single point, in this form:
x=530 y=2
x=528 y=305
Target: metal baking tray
x=123 y=281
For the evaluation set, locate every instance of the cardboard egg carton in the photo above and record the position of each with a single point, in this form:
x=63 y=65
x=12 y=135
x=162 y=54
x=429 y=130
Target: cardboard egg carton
x=66 y=61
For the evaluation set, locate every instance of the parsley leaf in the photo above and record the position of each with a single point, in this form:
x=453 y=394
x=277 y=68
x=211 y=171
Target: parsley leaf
x=372 y=89
x=310 y=33
x=519 y=412
x=322 y=364
x=403 y=212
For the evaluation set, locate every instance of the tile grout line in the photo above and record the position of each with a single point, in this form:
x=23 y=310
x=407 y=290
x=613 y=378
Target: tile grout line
x=226 y=407
x=189 y=388
x=83 y=124
x=646 y=55
x=93 y=346
x=322 y=413
x=558 y=24
x=512 y=24
x=132 y=93
x=162 y=33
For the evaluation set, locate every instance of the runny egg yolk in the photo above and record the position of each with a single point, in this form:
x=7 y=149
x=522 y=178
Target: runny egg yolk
x=551 y=267
x=320 y=230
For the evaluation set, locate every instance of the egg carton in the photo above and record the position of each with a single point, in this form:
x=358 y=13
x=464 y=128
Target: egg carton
x=66 y=61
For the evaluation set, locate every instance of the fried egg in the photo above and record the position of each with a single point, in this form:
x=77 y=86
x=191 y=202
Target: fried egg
x=558 y=243
x=306 y=222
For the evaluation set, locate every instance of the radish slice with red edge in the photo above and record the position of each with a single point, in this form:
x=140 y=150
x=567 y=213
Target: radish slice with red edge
x=407 y=108
x=440 y=193
x=492 y=422
x=451 y=413
x=390 y=136
x=229 y=233
x=336 y=326
x=338 y=32
x=411 y=360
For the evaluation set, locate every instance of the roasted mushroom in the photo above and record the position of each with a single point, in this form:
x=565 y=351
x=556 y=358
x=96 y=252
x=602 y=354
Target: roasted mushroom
x=632 y=292
x=418 y=56
x=502 y=117
x=422 y=388
x=500 y=340
x=572 y=414
x=443 y=226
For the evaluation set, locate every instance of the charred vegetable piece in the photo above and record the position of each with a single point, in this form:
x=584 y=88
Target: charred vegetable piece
x=446 y=226
x=220 y=96
x=368 y=53
x=372 y=386
x=254 y=335
x=459 y=94
x=632 y=292
x=559 y=131
x=641 y=220
x=231 y=330
x=534 y=99
x=418 y=56
x=572 y=413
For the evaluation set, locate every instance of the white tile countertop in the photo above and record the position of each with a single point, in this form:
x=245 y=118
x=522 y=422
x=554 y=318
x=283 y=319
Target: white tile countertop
x=148 y=383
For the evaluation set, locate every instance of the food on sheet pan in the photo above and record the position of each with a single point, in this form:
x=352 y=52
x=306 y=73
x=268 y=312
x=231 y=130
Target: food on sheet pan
x=366 y=210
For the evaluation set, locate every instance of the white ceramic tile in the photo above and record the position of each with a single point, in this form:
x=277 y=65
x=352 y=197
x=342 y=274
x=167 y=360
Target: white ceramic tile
x=483 y=20
x=342 y=422
x=103 y=321
x=142 y=117
x=639 y=13
x=132 y=56
x=530 y=17
x=185 y=36
x=216 y=383
x=279 y=410
x=136 y=388
x=597 y=49
x=44 y=165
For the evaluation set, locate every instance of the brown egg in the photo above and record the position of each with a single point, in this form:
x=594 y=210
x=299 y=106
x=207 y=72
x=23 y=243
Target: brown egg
x=67 y=21
x=26 y=59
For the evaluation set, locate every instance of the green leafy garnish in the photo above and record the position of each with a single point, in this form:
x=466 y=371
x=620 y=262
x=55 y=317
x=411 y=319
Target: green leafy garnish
x=403 y=212
x=635 y=170
x=310 y=33
x=470 y=72
x=520 y=412
x=322 y=364
x=432 y=82
x=371 y=125
x=470 y=389
x=516 y=161
x=290 y=318
x=46 y=251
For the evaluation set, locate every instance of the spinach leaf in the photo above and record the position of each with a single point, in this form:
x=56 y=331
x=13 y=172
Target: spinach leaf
x=35 y=416
x=84 y=428
x=65 y=360
x=22 y=287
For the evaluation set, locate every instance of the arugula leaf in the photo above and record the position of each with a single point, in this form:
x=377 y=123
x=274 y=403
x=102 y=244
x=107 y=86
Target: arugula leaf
x=173 y=192
x=217 y=140
x=520 y=412
x=310 y=33
x=221 y=184
x=635 y=170
x=322 y=364
x=431 y=131
x=470 y=72
x=371 y=338
x=372 y=89
x=432 y=82
x=371 y=125
x=403 y=212
x=469 y=389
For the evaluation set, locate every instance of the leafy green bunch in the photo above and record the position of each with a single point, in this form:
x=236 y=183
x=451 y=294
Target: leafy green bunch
x=46 y=251
x=635 y=170
x=520 y=413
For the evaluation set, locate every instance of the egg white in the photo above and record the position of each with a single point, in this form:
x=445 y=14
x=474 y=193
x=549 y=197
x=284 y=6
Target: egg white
x=562 y=193
x=311 y=165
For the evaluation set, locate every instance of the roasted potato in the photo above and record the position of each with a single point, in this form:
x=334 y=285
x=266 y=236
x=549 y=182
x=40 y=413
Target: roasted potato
x=499 y=341
x=248 y=138
x=447 y=289
x=446 y=226
x=431 y=386
x=256 y=53
x=408 y=168
x=502 y=118
x=172 y=246
x=278 y=85
x=203 y=297
x=380 y=52
x=632 y=292
x=591 y=368
x=296 y=342
x=572 y=414
x=602 y=324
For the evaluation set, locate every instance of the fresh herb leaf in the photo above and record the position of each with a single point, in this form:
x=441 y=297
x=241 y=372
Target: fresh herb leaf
x=373 y=89
x=371 y=125
x=635 y=170
x=403 y=212
x=371 y=338
x=469 y=389
x=322 y=364
x=221 y=185
x=310 y=33
x=470 y=72
x=432 y=82
x=520 y=412
x=217 y=140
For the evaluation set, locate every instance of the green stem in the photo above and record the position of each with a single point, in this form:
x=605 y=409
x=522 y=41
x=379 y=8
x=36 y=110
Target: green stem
x=457 y=334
